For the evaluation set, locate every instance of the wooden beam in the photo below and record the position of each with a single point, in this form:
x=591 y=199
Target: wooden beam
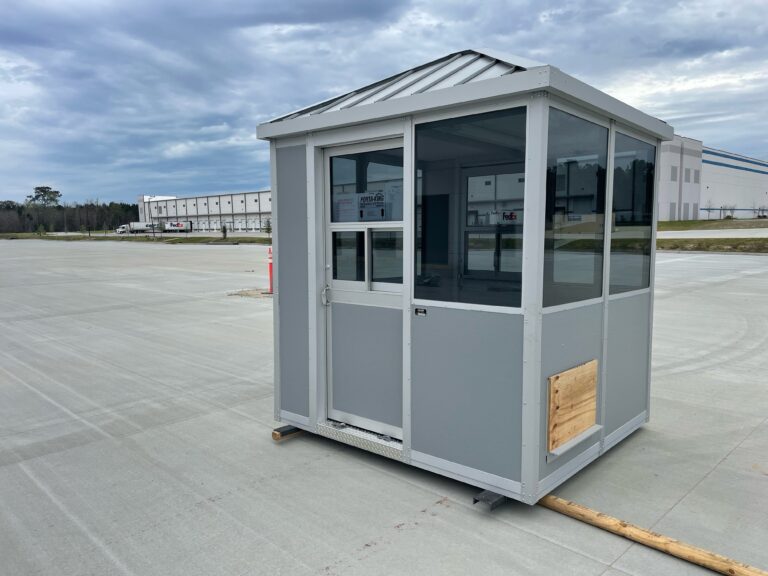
x=285 y=433
x=692 y=554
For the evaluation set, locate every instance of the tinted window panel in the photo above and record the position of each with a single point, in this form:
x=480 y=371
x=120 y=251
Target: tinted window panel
x=633 y=178
x=349 y=256
x=573 y=246
x=387 y=256
x=367 y=187
x=470 y=182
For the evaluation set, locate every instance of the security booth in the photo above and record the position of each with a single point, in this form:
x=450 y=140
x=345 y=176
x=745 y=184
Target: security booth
x=464 y=270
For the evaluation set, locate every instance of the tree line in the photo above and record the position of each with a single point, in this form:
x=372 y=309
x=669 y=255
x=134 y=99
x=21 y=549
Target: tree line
x=43 y=211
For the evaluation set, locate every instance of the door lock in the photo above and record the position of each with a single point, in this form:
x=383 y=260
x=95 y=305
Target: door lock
x=324 y=295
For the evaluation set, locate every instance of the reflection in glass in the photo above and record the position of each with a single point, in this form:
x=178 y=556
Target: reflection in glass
x=510 y=252
x=387 y=256
x=481 y=252
x=367 y=187
x=470 y=182
x=633 y=177
x=349 y=256
x=577 y=153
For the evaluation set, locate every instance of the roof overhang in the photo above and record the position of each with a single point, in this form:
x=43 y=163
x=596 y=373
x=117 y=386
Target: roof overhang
x=541 y=78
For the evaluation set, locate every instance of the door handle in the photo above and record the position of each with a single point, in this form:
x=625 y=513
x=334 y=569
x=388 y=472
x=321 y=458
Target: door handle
x=324 y=293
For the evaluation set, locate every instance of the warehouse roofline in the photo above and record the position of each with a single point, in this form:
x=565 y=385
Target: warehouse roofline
x=149 y=198
x=734 y=156
x=734 y=167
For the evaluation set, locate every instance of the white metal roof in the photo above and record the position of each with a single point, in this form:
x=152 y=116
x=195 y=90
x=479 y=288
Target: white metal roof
x=452 y=70
x=453 y=80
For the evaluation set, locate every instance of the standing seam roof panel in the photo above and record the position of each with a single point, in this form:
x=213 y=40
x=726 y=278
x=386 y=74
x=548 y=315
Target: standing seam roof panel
x=412 y=81
x=450 y=78
x=465 y=75
x=451 y=70
x=423 y=84
x=400 y=80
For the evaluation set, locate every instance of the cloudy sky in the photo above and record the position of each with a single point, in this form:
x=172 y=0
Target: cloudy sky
x=112 y=99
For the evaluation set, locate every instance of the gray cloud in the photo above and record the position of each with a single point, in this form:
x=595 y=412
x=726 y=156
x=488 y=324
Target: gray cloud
x=115 y=99
x=691 y=47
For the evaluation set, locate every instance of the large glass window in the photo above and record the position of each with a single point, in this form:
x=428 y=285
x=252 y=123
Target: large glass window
x=470 y=182
x=367 y=187
x=633 y=178
x=577 y=153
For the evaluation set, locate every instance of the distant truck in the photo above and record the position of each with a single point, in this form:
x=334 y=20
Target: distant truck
x=135 y=228
x=177 y=226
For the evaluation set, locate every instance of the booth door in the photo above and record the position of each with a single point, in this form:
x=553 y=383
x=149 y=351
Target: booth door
x=363 y=293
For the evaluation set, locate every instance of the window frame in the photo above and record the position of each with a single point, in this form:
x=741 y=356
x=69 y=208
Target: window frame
x=366 y=285
x=506 y=103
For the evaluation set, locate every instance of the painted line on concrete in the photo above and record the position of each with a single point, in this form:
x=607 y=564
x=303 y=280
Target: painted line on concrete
x=119 y=564
x=61 y=407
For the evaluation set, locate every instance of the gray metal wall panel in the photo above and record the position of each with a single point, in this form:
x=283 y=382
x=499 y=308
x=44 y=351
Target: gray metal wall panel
x=466 y=388
x=291 y=231
x=367 y=362
x=568 y=338
x=626 y=393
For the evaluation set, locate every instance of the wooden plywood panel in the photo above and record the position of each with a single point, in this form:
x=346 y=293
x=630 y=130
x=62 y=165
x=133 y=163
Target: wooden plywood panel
x=572 y=403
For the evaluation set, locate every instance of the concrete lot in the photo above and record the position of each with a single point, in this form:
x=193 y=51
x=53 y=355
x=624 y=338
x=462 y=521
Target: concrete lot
x=136 y=409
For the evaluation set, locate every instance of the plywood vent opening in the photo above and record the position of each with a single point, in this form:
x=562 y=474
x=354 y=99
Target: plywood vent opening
x=572 y=403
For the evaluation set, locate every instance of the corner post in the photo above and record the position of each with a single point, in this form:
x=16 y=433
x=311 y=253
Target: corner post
x=607 y=232
x=316 y=280
x=275 y=288
x=409 y=195
x=652 y=279
x=532 y=290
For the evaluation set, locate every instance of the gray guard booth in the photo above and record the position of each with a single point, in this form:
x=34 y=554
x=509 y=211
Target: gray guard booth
x=464 y=270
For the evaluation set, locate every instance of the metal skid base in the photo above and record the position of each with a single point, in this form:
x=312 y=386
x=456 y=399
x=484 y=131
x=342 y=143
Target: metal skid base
x=493 y=499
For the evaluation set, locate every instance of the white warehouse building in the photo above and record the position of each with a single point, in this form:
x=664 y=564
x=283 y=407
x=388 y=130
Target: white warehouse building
x=239 y=212
x=697 y=182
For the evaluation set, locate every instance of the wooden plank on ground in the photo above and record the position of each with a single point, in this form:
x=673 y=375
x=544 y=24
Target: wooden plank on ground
x=712 y=561
x=572 y=403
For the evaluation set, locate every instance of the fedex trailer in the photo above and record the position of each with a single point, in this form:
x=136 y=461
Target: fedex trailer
x=177 y=226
